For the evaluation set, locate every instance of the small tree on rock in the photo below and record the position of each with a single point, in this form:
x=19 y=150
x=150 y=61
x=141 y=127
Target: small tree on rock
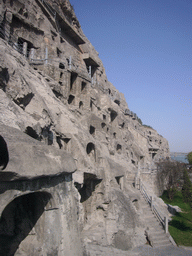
x=169 y=176
x=189 y=157
x=187 y=188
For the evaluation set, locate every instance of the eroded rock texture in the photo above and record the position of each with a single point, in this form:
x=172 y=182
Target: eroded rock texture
x=75 y=150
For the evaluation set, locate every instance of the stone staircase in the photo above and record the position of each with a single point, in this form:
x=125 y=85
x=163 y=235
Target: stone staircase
x=98 y=250
x=154 y=230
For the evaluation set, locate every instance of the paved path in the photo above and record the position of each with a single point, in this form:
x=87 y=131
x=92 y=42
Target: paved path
x=166 y=251
x=145 y=250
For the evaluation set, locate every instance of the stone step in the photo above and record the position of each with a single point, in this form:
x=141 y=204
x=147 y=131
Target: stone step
x=154 y=225
x=157 y=234
x=98 y=250
x=162 y=243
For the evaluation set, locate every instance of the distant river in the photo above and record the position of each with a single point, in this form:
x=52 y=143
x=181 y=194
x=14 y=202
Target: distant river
x=180 y=157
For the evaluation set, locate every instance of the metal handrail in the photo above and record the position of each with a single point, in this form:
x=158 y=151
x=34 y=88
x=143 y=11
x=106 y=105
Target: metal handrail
x=154 y=209
x=52 y=12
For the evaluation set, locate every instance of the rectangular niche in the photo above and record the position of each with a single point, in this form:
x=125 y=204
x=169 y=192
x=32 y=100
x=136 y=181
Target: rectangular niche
x=64 y=143
x=83 y=86
x=73 y=80
x=120 y=181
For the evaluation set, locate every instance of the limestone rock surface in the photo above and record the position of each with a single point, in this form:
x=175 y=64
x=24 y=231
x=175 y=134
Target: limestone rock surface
x=76 y=151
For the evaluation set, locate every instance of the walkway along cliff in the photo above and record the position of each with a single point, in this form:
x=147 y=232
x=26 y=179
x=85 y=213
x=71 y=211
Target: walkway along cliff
x=75 y=149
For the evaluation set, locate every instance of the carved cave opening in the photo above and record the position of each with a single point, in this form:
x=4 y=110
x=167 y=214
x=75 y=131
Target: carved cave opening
x=58 y=52
x=61 y=66
x=113 y=115
x=89 y=185
x=103 y=125
x=91 y=105
x=92 y=130
x=91 y=70
x=24 y=47
x=2 y=29
x=72 y=80
x=153 y=155
x=57 y=94
x=91 y=151
x=71 y=99
x=18 y=219
x=64 y=143
x=80 y=105
x=61 y=75
x=4 y=153
x=122 y=125
x=4 y=77
x=32 y=133
x=119 y=148
x=24 y=101
x=117 y=102
x=47 y=135
x=23 y=12
x=83 y=85
x=120 y=181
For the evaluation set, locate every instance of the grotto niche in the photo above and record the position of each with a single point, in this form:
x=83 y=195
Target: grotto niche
x=18 y=219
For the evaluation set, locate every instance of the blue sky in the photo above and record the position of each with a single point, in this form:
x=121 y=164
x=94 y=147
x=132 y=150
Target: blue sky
x=146 y=49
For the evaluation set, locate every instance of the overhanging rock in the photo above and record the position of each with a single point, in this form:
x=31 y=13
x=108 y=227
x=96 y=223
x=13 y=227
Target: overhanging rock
x=29 y=158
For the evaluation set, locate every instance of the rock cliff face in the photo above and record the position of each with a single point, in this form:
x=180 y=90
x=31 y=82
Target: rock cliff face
x=75 y=149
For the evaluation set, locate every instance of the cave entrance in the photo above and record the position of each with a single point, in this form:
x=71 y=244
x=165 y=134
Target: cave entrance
x=90 y=182
x=2 y=29
x=91 y=151
x=72 y=80
x=113 y=114
x=4 y=154
x=18 y=219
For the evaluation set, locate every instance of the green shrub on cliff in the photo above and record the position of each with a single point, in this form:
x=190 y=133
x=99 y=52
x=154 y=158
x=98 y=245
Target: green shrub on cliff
x=169 y=176
x=187 y=188
x=189 y=157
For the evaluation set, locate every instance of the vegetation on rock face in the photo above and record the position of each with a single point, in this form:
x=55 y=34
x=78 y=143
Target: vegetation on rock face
x=148 y=126
x=139 y=120
x=170 y=176
x=189 y=157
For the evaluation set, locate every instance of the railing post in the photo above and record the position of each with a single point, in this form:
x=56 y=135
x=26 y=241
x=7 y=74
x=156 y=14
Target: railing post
x=70 y=63
x=151 y=198
x=31 y=54
x=166 y=224
x=46 y=55
x=25 y=49
x=89 y=71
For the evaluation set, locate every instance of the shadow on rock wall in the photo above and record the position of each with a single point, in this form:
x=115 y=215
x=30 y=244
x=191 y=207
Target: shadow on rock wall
x=18 y=219
x=4 y=155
